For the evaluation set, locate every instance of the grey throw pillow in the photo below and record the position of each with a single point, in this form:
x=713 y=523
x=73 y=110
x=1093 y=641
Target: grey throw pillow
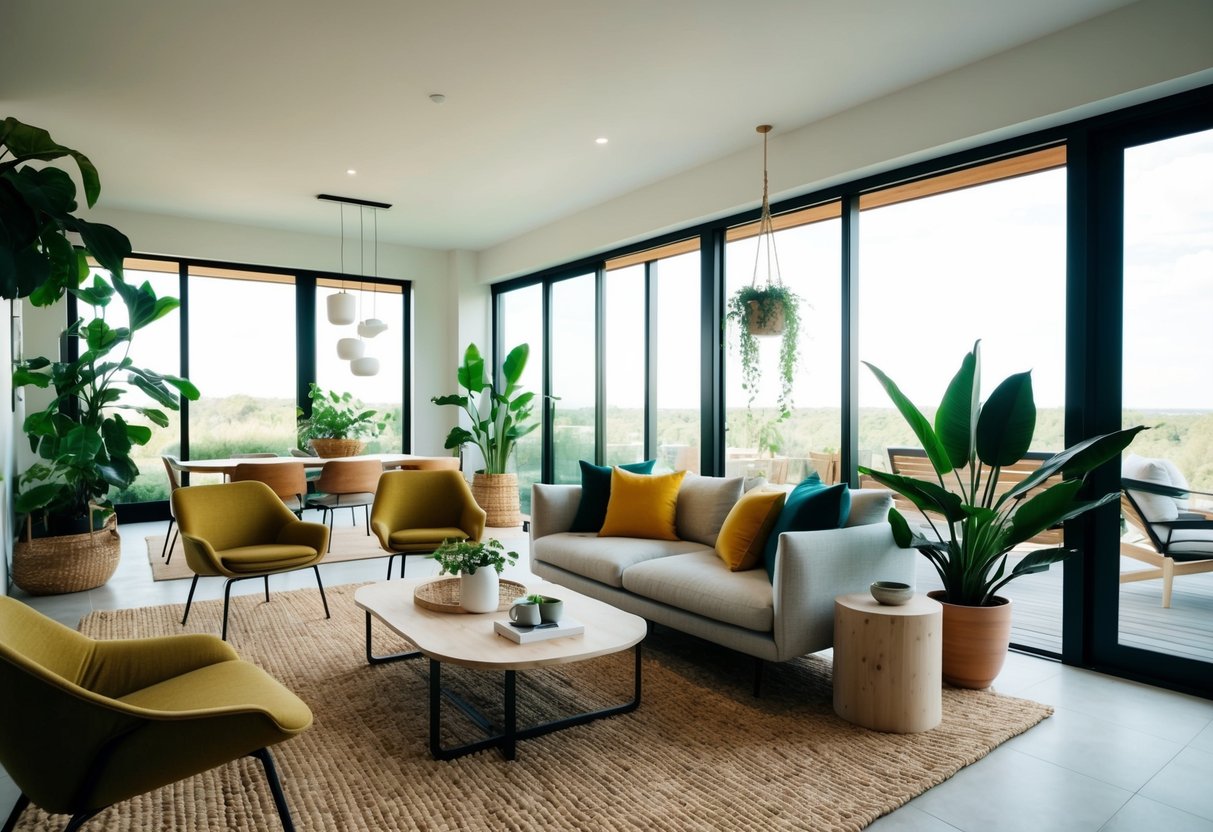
x=703 y=504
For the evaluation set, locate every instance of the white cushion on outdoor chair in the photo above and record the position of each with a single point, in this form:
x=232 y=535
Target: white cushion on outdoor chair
x=1157 y=508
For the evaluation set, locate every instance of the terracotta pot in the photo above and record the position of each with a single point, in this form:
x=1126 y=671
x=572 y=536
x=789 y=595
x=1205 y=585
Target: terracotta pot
x=774 y=323
x=497 y=494
x=330 y=448
x=975 y=641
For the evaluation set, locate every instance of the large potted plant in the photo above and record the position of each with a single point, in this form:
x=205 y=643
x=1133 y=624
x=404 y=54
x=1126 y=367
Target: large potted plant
x=83 y=440
x=971 y=528
x=498 y=418
x=338 y=424
x=766 y=310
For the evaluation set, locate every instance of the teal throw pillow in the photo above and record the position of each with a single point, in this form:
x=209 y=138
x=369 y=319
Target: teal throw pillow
x=811 y=506
x=596 y=493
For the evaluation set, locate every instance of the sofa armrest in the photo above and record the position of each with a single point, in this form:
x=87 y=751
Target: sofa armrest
x=553 y=508
x=813 y=568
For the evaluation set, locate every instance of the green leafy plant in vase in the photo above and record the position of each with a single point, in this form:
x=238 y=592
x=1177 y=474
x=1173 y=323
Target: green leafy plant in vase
x=338 y=423
x=478 y=563
x=972 y=526
x=498 y=418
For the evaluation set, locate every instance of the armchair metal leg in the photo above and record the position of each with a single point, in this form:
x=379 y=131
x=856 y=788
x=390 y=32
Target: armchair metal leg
x=171 y=544
x=271 y=776
x=320 y=584
x=172 y=523
x=329 y=512
x=267 y=589
x=18 y=808
x=79 y=820
x=366 y=513
x=227 y=600
x=189 y=600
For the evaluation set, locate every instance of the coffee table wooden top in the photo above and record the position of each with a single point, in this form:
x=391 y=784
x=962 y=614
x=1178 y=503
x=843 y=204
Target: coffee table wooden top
x=469 y=640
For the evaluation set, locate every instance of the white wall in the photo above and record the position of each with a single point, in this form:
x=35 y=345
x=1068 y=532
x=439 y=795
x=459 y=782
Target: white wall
x=1143 y=51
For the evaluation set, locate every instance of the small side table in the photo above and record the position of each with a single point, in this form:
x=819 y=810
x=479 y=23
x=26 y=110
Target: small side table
x=888 y=663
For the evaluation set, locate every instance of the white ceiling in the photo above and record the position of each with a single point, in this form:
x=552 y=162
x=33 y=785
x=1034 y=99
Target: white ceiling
x=243 y=111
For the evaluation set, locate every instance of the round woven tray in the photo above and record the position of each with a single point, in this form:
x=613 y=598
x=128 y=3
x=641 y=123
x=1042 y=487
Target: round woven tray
x=442 y=595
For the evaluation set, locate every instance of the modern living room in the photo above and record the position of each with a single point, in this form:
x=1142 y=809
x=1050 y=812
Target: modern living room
x=529 y=174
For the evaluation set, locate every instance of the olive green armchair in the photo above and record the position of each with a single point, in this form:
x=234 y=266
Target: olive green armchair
x=415 y=511
x=87 y=724
x=241 y=530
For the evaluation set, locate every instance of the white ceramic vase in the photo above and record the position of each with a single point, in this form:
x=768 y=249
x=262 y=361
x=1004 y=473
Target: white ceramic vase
x=478 y=592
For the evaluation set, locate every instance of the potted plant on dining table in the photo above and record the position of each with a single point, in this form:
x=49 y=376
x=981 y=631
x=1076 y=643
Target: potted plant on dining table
x=338 y=424
x=971 y=528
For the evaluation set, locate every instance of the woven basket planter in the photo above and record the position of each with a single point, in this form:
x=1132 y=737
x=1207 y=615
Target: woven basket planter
x=773 y=324
x=497 y=494
x=67 y=563
x=330 y=448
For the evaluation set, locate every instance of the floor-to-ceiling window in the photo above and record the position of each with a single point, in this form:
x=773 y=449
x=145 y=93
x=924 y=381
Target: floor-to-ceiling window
x=758 y=441
x=978 y=255
x=624 y=363
x=676 y=361
x=1168 y=385
x=520 y=321
x=573 y=403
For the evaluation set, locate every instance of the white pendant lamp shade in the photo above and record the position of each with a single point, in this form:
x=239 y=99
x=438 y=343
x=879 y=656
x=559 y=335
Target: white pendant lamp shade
x=368 y=365
x=342 y=308
x=371 y=327
x=350 y=349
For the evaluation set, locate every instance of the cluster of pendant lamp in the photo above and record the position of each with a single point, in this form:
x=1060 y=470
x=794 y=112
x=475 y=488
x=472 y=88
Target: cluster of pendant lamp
x=343 y=308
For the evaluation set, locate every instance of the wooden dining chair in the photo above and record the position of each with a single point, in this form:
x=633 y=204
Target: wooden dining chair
x=287 y=479
x=346 y=483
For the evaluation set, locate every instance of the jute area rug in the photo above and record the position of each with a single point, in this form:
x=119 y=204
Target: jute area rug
x=700 y=753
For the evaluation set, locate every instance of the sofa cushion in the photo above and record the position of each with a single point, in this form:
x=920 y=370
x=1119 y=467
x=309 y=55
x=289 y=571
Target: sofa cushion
x=596 y=492
x=605 y=559
x=699 y=582
x=703 y=504
x=811 y=506
x=642 y=505
x=744 y=534
x=869 y=505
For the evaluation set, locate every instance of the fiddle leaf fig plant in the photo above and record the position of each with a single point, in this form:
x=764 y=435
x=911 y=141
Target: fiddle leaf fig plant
x=499 y=418
x=973 y=528
x=37 y=260
x=83 y=438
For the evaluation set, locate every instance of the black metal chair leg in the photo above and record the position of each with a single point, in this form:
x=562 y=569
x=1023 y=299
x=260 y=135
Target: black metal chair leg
x=366 y=513
x=389 y=566
x=330 y=514
x=353 y=516
x=18 y=808
x=271 y=776
x=79 y=820
x=172 y=521
x=227 y=598
x=189 y=600
x=267 y=589
x=403 y=559
x=320 y=584
x=169 y=559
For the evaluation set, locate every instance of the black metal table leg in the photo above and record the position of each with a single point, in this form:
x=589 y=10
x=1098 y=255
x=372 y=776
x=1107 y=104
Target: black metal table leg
x=392 y=657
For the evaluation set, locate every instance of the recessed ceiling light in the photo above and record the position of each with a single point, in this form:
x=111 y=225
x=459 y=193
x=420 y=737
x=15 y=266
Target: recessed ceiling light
x=437 y=97
x=351 y=172
x=601 y=140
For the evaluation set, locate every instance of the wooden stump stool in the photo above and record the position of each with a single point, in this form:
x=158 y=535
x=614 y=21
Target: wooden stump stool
x=888 y=663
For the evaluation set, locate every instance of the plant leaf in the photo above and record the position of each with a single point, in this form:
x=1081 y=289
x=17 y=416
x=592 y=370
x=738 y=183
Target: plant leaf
x=1007 y=422
x=918 y=423
x=1080 y=458
x=956 y=419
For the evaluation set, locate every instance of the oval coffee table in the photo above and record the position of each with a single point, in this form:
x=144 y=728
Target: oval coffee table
x=470 y=641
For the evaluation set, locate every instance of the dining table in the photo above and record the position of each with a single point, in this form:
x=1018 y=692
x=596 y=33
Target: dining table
x=226 y=465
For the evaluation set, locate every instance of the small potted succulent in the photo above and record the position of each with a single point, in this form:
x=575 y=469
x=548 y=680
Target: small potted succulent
x=478 y=563
x=338 y=424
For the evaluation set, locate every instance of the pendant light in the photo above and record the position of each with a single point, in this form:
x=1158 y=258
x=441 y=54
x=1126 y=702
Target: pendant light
x=372 y=326
x=341 y=305
x=367 y=365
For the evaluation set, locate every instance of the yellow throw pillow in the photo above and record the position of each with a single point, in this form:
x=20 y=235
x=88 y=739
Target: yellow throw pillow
x=745 y=530
x=642 y=505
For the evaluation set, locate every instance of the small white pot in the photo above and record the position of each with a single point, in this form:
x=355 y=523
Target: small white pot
x=479 y=592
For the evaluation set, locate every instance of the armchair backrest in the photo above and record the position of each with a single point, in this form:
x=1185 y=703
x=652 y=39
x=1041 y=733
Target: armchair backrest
x=231 y=514
x=423 y=499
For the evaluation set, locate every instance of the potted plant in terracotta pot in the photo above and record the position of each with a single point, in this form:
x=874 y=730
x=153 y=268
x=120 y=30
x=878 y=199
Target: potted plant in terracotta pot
x=971 y=525
x=478 y=563
x=498 y=418
x=338 y=424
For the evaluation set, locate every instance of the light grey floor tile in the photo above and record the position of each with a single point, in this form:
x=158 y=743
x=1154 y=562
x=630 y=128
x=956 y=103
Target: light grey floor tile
x=1185 y=783
x=1091 y=746
x=1141 y=813
x=1010 y=792
x=1162 y=713
x=1204 y=740
x=1021 y=671
x=910 y=819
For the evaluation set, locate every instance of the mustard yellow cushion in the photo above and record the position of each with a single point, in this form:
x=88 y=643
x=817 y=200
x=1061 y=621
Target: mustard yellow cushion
x=745 y=530
x=642 y=505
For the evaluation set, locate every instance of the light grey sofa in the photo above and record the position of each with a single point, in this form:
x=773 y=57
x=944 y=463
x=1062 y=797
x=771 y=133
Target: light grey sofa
x=683 y=584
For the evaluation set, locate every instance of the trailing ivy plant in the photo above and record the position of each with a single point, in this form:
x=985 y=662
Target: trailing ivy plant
x=768 y=299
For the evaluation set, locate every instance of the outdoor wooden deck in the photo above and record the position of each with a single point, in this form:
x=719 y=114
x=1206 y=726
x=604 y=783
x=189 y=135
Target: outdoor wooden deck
x=1186 y=629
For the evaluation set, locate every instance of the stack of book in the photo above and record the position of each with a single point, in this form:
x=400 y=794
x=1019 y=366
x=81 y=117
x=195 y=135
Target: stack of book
x=523 y=634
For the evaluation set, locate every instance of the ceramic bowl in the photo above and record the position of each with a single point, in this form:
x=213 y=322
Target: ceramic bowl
x=891 y=592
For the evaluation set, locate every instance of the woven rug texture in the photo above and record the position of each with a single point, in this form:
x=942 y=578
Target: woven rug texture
x=700 y=753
